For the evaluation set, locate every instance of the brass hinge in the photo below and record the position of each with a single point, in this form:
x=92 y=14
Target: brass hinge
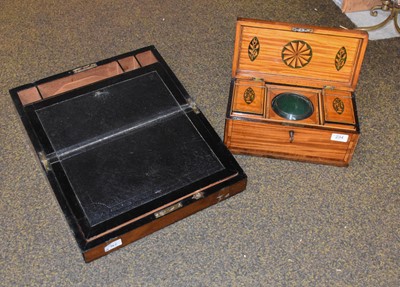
x=327 y=88
x=198 y=195
x=302 y=30
x=84 y=68
x=193 y=105
x=258 y=79
x=45 y=162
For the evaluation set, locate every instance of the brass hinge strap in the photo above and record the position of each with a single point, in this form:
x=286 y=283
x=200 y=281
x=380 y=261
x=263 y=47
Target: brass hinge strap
x=302 y=30
x=84 y=68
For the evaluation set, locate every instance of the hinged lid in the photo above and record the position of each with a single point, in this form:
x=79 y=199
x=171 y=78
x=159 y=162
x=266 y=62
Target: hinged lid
x=299 y=55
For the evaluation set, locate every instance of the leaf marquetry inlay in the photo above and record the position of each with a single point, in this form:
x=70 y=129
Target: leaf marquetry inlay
x=338 y=106
x=254 y=49
x=249 y=95
x=340 y=58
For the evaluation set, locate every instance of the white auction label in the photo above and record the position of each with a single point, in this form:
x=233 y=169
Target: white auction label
x=339 y=138
x=113 y=245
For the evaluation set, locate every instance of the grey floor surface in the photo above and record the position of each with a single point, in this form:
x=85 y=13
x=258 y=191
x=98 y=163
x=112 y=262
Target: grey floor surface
x=297 y=224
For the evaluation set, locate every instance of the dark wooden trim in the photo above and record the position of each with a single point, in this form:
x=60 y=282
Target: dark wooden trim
x=166 y=220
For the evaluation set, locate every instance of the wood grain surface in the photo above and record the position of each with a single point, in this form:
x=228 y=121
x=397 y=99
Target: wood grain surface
x=166 y=220
x=273 y=140
x=318 y=66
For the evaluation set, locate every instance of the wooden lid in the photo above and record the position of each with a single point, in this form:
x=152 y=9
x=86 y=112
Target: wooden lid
x=298 y=55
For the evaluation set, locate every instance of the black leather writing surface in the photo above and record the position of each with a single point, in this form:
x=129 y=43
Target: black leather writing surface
x=103 y=112
x=140 y=167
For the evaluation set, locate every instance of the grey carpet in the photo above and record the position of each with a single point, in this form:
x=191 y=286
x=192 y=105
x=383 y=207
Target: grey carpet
x=297 y=224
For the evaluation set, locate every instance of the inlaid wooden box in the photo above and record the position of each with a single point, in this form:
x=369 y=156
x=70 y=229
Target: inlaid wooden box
x=125 y=149
x=292 y=92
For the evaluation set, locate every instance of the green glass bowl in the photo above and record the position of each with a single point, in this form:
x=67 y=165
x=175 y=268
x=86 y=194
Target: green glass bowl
x=292 y=106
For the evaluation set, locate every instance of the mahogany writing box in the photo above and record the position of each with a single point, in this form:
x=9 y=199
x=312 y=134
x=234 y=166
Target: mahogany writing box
x=292 y=92
x=125 y=149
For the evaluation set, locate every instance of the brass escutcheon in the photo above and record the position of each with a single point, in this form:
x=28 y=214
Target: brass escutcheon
x=291 y=136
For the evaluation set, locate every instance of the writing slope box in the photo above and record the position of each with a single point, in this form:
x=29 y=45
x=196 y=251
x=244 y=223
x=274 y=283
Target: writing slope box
x=125 y=149
x=292 y=92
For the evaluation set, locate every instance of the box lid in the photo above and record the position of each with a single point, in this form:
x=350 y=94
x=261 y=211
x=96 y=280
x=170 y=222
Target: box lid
x=299 y=55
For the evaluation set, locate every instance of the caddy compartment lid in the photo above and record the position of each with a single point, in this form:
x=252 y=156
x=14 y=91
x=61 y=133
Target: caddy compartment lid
x=300 y=55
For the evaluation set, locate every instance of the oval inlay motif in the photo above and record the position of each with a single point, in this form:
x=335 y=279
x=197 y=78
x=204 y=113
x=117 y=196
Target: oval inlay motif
x=254 y=49
x=338 y=105
x=340 y=58
x=296 y=54
x=249 y=95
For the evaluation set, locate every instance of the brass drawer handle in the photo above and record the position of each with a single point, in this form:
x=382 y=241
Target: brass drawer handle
x=291 y=136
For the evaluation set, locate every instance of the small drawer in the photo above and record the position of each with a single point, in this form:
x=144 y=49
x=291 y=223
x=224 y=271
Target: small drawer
x=248 y=97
